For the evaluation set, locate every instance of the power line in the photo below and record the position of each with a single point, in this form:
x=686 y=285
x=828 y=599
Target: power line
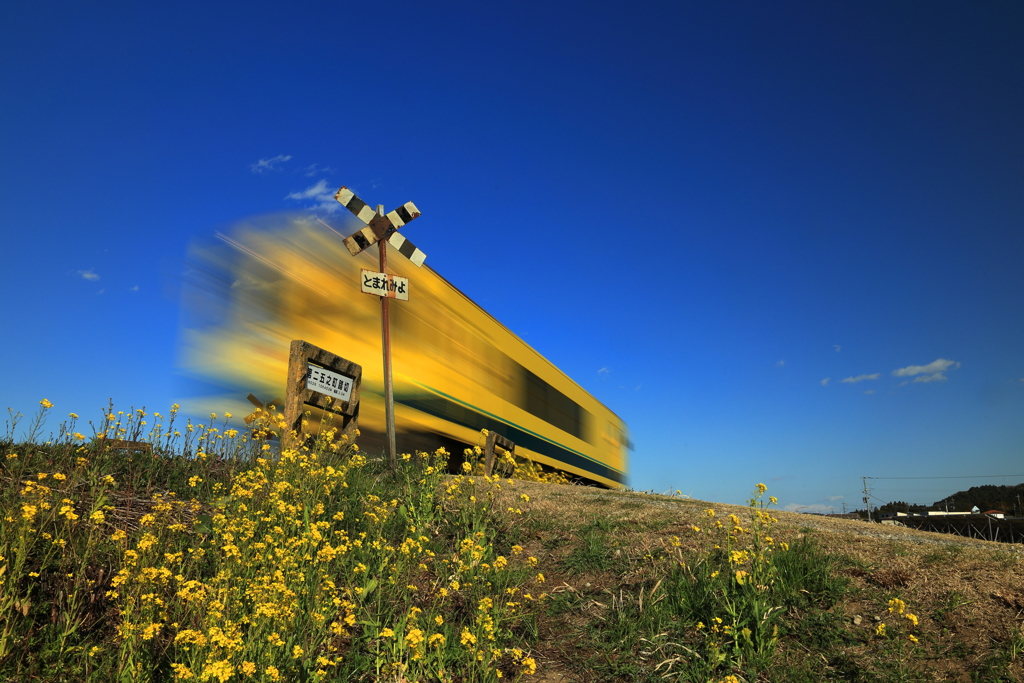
x=913 y=490
x=971 y=476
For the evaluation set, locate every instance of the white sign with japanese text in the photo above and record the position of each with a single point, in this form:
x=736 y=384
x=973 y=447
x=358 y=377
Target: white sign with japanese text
x=327 y=382
x=382 y=284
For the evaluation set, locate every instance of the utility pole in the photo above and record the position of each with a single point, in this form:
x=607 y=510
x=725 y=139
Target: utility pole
x=867 y=497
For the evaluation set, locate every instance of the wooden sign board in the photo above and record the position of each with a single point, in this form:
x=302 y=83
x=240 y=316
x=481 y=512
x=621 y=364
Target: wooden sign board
x=320 y=379
x=384 y=284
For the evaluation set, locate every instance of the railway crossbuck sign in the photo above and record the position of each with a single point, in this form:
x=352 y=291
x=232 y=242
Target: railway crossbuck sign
x=382 y=229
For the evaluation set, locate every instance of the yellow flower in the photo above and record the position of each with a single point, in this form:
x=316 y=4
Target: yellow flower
x=297 y=652
x=540 y=578
x=880 y=629
x=738 y=556
x=741 y=577
x=181 y=671
x=273 y=673
x=467 y=638
x=912 y=618
x=221 y=670
x=761 y=488
x=248 y=668
x=897 y=606
x=912 y=638
x=45 y=404
x=387 y=633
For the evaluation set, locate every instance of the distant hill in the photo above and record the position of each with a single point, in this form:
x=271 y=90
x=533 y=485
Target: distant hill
x=1008 y=499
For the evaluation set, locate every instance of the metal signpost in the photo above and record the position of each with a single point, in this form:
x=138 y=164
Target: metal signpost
x=381 y=229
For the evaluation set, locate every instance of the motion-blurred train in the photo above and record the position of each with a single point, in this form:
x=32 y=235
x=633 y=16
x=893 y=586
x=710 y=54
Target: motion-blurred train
x=456 y=369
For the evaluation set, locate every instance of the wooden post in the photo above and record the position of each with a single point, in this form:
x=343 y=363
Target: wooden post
x=495 y=439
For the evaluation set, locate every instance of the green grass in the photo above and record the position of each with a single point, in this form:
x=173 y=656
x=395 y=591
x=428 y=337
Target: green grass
x=224 y=559
x=211 y=555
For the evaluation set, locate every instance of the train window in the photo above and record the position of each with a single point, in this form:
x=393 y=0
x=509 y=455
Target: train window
x=549 y=404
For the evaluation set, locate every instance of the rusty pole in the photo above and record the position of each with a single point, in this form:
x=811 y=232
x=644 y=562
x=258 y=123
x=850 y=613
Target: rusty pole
x=385 y=325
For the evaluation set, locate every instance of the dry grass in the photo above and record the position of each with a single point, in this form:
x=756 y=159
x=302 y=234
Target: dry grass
x=967 y=593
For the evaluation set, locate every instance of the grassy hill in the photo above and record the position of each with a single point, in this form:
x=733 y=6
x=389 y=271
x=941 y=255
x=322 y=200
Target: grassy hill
x=155 y=551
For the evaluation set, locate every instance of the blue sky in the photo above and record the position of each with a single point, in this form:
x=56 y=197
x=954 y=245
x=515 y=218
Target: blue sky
x=736 y=200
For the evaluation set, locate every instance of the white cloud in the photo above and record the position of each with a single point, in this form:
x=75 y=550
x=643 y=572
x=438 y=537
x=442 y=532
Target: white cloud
x=935 y=368
x=271 y=164
x=824 y=382
x=89 y=275
x=870 y=391
x=780 y=363
x=321 y=194
x=860 y=378
x=314 y=169
x=836 y=347
x=937 y=377
x=816 y=509
x=603 y=371
x=134 y=289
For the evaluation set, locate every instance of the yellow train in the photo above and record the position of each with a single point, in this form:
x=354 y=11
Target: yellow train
x=457 y=370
